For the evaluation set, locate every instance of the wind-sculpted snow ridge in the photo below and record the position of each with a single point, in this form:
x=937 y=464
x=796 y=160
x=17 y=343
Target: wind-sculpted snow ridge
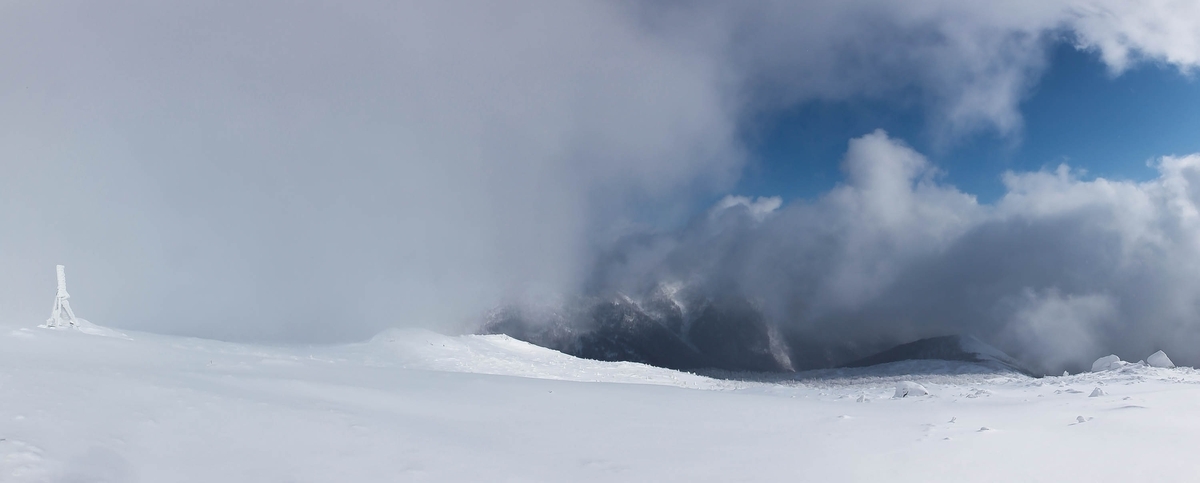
x=506 y=356
x=951 y=379
x=931 y=372
x=949 y=360
x=83 y=325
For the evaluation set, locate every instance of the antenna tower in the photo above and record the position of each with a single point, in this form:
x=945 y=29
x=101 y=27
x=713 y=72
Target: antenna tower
x=62 y=315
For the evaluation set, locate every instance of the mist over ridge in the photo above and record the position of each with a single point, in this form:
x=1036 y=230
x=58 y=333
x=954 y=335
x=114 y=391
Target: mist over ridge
x=1060 y=271
x=320 y=171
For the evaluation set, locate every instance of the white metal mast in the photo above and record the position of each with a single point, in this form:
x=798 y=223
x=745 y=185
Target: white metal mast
x=62 y=315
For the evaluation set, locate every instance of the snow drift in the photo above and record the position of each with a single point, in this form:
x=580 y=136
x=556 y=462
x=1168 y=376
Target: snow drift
x=1160 y=359
x=909 y=389
x=1108 y=363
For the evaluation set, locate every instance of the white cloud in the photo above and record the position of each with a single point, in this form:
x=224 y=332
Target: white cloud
x=1059 y=271
x=1122 y=31
x=969 y=62
x=758 y=208
x=1056 y=330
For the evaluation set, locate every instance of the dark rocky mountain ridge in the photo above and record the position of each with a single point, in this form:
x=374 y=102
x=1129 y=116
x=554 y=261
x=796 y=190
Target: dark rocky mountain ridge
x=729 y=334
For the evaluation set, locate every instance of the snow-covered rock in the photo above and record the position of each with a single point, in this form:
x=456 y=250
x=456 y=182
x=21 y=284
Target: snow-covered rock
x=1097 y=392
x=946 y=348
x=1107 y=363
x=1160 y=359
x=909 y=388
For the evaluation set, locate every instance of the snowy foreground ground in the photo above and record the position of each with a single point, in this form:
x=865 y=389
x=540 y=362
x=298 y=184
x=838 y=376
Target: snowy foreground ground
x=417 y=406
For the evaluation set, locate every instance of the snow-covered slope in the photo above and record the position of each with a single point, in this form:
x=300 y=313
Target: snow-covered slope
x=947 y=348
x=416 y=406
x=504 y=355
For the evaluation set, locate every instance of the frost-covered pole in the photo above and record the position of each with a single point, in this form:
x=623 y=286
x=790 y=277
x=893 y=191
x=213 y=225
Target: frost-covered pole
x=62 y=315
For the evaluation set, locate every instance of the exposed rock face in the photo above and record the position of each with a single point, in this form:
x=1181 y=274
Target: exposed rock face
x=736 y=337
x=620 y=330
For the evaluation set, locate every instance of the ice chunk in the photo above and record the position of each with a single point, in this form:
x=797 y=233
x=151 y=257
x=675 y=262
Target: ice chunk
x=1097 y=392
x=1107 y=363
x=1160 y=359
x=909 y=388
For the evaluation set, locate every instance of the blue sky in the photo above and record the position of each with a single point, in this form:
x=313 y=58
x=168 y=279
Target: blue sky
x=1078 y=113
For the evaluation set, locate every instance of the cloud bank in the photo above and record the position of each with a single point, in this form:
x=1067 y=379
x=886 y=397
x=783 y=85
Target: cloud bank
x=318 y=171
x=1060 y=271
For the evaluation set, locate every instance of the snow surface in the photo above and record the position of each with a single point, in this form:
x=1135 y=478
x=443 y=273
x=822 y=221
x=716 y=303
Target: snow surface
x=417 y=406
